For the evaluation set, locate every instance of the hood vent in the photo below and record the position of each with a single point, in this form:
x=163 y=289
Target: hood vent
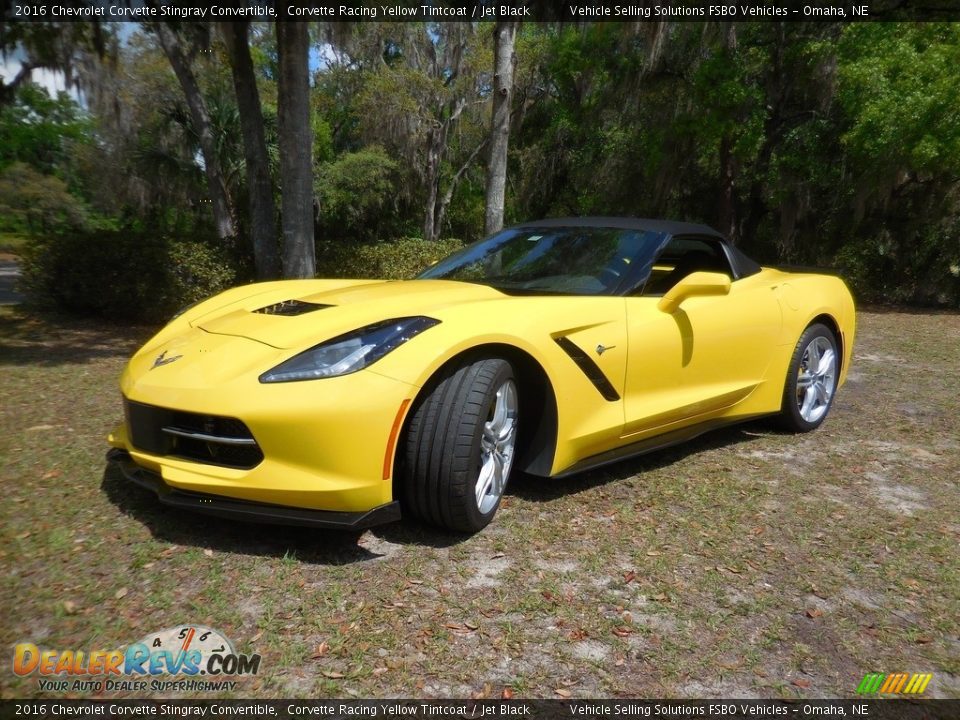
x=290 y=308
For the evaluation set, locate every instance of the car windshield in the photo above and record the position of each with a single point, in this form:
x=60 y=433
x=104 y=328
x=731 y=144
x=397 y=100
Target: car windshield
x=555 y=260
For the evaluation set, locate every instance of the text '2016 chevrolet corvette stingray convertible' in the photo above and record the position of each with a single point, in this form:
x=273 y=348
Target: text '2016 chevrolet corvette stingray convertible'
x=548 y=348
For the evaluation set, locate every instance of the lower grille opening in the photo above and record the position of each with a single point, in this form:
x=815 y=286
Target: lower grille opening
x=209 y=439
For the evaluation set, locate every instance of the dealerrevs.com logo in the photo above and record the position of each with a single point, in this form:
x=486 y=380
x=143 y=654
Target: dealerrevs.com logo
x=167 y=661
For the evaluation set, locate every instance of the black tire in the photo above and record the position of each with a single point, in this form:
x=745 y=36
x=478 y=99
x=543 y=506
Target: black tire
x=791 y=418
x=442 y=445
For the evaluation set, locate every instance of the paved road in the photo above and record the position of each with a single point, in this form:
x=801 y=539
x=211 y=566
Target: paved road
x=9 y=272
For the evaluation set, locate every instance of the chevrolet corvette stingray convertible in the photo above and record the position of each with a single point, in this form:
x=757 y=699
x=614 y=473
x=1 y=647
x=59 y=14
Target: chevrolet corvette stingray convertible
x=548 y=348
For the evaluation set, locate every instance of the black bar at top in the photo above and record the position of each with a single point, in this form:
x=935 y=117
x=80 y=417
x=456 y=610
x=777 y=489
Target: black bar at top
x=482 y=10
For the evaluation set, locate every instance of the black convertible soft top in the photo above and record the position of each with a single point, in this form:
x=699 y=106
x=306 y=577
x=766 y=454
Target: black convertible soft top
x=667 y=227
x=741 y=265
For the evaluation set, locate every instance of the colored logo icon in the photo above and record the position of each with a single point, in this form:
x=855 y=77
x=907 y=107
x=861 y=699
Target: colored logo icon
x=894 y=683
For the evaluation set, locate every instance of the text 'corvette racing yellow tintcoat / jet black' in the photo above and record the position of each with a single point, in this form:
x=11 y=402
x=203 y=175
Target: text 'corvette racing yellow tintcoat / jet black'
x=548 y=348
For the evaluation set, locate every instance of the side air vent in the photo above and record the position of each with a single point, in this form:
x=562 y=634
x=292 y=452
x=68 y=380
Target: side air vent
x=589 y=368
x=290 y=308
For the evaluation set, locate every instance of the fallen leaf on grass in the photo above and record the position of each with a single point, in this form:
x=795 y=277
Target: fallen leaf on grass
x=923 y=639
x=208 y=552
x=120 y=594
x=814 y=612
x=332 y=675
x=801 y=683
x=51 y=474
x=629 y=577
x=321 y=650
x=23 y=535
x=622 y=631
x=484 y=693
x=378 y=671
x=506 y=694
x=70 y=607
x=562 y=692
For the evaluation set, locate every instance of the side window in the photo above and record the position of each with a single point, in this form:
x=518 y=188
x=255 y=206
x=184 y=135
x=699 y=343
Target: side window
x=682 y=256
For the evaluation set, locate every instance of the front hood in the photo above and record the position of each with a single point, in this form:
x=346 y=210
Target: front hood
x=347 y=307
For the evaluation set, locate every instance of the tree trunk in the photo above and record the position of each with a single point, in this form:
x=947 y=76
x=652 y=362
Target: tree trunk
x=727 y=210
x=431 y=230
x=216 y=183
x=504 y=35
x=266 y=255
x=296 y=155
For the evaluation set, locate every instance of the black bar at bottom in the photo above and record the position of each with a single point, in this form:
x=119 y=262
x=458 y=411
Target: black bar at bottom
x=875 y=709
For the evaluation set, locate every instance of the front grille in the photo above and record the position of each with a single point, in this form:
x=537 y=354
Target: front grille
x=209 y=439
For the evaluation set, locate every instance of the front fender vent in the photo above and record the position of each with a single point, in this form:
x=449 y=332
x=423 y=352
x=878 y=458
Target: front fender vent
x=290 y=308
x=589 y=368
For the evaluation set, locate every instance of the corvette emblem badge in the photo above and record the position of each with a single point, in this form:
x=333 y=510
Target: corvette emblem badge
x=162 y=359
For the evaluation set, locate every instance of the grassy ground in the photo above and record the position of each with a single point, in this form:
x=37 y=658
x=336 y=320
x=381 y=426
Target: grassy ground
x=746 y=563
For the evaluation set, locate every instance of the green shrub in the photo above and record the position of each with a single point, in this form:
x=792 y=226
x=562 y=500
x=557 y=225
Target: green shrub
x=358 y=198
x=122 y=274
x=395 y=260
x=33 y=202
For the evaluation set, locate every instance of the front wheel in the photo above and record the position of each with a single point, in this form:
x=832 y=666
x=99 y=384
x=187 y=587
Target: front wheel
x=460 y=445
x=811 y=380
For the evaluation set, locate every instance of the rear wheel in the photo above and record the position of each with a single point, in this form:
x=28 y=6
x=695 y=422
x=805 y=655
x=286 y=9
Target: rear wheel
x=811 y=380
x=459 y=445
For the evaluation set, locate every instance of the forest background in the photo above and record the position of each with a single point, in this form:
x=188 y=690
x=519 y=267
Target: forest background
x=185 y=158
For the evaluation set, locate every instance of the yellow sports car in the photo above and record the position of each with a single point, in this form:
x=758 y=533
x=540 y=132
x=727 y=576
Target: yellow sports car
x=548 y=348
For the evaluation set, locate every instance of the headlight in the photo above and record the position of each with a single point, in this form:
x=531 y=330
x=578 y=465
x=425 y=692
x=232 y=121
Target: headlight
x=348 y=353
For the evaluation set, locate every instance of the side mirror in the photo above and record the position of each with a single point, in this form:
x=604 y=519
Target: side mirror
x=694 y=285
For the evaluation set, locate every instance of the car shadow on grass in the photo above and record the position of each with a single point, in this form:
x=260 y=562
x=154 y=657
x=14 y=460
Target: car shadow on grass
x=308 y=545
x=339 y=547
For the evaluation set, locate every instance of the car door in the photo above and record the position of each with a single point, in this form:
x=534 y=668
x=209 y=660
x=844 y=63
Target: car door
x=694 y=363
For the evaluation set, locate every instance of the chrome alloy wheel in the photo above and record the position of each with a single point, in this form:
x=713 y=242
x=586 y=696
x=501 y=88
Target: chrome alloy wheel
x=816 y=379
x=496 y=447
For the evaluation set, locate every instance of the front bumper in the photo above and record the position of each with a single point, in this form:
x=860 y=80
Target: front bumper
x=247 y=511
